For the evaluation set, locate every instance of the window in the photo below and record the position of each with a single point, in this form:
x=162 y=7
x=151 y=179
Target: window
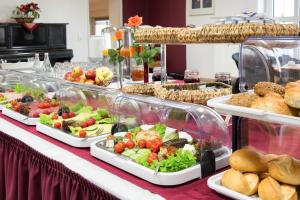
x=99 y=25
x=281 y=10
x=284 y=8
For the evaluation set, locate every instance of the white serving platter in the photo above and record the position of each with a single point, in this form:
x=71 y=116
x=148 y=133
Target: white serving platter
x=214 y=183
x=220 y=105
x=68 y=138
x=19 y=117
x=159 y=178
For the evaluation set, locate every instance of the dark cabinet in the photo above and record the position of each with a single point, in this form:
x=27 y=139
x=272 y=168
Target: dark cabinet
x=18 y=44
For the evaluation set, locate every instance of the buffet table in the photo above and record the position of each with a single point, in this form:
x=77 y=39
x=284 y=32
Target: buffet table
x=62 y=171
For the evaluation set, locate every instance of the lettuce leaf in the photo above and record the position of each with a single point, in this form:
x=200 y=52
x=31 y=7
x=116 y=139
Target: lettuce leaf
x=110 y=120
x=76 y=107
x=161 y=129
x=100 y=114
x=85 y=109
x=19 y=88
x=46 y=119
x=181 y=160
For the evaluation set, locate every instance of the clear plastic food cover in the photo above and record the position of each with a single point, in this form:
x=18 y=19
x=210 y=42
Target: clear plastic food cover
x=172 y=128
x=272 y=59
x=71 y=94
x=8 y=79
x=271 y=138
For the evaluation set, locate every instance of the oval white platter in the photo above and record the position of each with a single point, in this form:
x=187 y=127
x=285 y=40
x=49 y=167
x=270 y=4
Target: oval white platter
x=68 y=138
x=214 y=183
x=19 y=117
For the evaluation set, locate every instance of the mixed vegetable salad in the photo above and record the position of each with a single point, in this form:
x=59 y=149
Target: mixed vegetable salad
x=80 y=120
x=158 y=147
x=7 y=94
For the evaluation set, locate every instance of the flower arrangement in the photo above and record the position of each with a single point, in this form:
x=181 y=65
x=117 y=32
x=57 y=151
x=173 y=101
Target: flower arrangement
x=26 y=13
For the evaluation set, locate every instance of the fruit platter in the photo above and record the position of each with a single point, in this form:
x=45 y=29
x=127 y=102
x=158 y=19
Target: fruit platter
x=101 y=76
x=158 y=154
x=30 y=106
x=76 y=125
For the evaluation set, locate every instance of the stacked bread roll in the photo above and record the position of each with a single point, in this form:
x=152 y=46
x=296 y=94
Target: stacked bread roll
x=272 y=177
x=271 y=97
x=214 y=33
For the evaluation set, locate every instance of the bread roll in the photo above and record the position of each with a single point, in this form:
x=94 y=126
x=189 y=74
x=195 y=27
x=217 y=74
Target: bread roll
x=292 y=94
x=274 y=103
x=262 y=88
x=243 y=183
x=247 y=160
x=285 y=169
x=270 y=189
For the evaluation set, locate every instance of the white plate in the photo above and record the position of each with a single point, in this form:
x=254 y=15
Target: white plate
x=220 y=105
x=19 y=117
x=68 y=138
x=214 y=182
x=159 y=178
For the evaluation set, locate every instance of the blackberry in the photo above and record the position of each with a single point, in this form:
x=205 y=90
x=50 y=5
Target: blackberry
x=24 y=109
x=27 y=99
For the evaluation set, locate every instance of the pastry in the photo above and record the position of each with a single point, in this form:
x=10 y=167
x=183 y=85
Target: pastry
x=274 y=103
x=243 y=183
x=262 y=88
x=198 y=93
x=292 y=94
x=242 y=99
x=270 y=189
x=285 y=169
x=146 y=89
x=248 y=160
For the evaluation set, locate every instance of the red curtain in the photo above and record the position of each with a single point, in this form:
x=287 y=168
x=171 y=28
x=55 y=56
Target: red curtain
x=27 y=174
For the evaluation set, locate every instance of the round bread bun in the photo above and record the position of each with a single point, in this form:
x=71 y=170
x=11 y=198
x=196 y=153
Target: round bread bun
x=247 y=160
x=285 y=169
x=262 y=88
x=270 y=189
x=243 y=183
x=274 y=103
x=292 y=94
x=242 y=99
x=270 y=157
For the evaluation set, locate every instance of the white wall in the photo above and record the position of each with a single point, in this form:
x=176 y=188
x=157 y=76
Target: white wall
x=209 y=59
x=74 y=12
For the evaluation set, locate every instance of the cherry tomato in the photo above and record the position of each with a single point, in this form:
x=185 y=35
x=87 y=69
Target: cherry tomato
x=57 y=125
x=158 y=141
x=119 y=148
x=148 y=144
x=91 y=122
x=65 y=115
x=142 y=143
x=152 y=157
x=71 y=114
x=46 y=112
x=84 y=125
x=130 y=144
x=17 y=107
x=128 y=135
x=36 y=115
x=54 y=117
x=123 y=144
x=82 y=134
x=154 y=147
x=46 y=105
x=1 y=95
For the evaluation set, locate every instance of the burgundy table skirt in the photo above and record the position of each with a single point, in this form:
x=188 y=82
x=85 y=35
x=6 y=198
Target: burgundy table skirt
x=27 y=174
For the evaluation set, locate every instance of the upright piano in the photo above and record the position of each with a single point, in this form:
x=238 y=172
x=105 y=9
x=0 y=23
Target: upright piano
x=18 y=44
